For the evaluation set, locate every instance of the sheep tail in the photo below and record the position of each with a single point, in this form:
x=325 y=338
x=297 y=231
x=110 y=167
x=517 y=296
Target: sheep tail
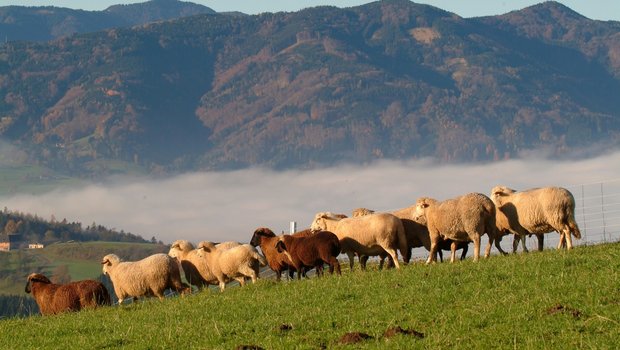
x=574 y=229
x=403 y=246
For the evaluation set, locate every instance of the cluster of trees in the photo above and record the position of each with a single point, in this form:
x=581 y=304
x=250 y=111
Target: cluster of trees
x=34 y=229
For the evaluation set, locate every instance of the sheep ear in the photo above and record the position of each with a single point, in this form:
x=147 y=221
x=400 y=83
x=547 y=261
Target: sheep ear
x=105 y=262
x=281 y=247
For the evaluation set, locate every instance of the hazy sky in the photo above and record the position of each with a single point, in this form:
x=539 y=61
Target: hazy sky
x=595 y=9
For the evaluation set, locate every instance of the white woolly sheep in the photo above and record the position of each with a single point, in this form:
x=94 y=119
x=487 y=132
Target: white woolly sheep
x=369 y=235
x=416 y=233
x=195 y=268
x=464 y=218
x=538 y=211
x=503 y=229
x=147 y=277
x=57 y=298
x=234 y=263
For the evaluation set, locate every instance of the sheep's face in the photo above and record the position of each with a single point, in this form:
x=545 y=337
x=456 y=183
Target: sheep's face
x=205 y=248
x=420 y=212
x=35 y=277
x=421 y=206
x=258 y=233
x=106 y=266
x=174 y=252
x=318 y=224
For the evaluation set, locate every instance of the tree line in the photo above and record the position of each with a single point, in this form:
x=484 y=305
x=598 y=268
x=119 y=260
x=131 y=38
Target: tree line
x=34 y=229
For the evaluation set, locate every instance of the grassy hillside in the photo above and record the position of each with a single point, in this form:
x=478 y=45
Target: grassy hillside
x=537 y=300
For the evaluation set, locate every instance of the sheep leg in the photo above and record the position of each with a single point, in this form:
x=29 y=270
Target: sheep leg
x=498 y=246
x=222 y=286
x=394 y=256
x=567 y=236
x=541 y=241
x=363 y=261
x=523 y=245
x=334 y=264
x=452 y=251
x=433 y=252
x=487 y=251
x=464 y=253
x=319 y=269
x=476 y=247
x=515 y=243
x=351 y=257
x=440 y=255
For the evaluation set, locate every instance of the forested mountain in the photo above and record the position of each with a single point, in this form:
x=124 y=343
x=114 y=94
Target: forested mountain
x=46 y=23
x=390 y=79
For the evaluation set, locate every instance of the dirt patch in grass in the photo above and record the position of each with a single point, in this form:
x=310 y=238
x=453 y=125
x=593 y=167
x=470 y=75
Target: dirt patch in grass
x=559 y=308
x=354 y=338
x=285 y=327
x=393 y=331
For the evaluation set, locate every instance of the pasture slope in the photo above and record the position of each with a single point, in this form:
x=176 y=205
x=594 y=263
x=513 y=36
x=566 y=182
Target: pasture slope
x=541 y=300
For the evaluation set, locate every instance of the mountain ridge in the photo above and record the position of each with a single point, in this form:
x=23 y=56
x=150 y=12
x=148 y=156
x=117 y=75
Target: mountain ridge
x=390 y=79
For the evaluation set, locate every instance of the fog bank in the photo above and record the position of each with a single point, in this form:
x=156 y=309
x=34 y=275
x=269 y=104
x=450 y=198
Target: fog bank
x=221 y=206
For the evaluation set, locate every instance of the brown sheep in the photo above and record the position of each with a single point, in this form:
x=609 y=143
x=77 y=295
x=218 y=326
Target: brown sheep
x=267 y=240
x=463 y=218
x=538 y=211
x=323 y=247
x=57 y=298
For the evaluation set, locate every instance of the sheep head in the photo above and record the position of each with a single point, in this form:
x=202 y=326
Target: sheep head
x=319 y=224
x=421 y=205
x=258 y=233
x=205 y=247
x=35 y=277
x=179 y=248
x=500 y=191
x=320 y=221
x=108 y=261
x=361 y=212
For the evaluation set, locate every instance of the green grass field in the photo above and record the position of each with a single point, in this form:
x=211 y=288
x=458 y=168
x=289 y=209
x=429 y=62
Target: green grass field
x=31 y=179
x=546 y=300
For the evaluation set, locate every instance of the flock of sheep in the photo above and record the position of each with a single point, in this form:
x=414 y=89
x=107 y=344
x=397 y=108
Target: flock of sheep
x=447 y=225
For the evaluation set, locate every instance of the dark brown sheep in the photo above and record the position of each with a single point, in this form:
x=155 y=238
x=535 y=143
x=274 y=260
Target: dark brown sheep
x=57 y=298
x=311 y=251
x=266 y=239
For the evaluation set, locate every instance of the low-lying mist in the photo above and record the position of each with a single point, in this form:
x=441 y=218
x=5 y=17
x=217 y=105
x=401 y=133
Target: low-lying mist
x=220 y=206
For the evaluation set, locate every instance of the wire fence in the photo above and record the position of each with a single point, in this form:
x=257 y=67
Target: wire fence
x=597 y=212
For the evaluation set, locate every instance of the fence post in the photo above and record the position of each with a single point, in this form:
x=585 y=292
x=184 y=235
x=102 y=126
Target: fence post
x=603 y=215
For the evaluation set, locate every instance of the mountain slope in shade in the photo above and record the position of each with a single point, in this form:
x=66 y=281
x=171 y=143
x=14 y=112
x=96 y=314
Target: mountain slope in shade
x=386 y=80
